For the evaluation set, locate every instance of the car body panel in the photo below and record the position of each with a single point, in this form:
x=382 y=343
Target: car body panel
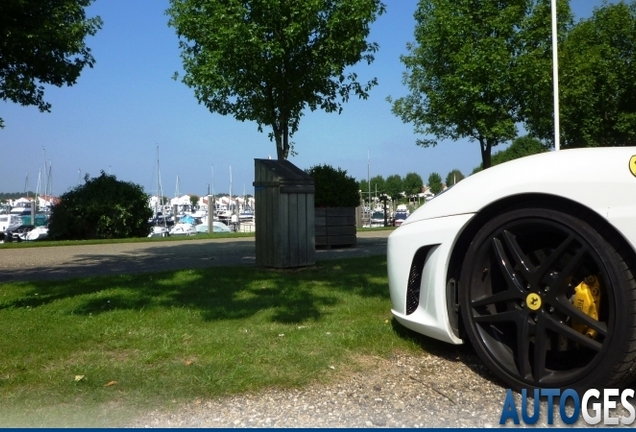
x=431 y=316
x=600 y=179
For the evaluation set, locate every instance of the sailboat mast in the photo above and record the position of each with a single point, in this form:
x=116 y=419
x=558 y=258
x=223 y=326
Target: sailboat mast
x=160 y=191
x=213 y=192
x=37 y=187
x=369 y=178
x=45 y=170
x=49 y=191
x=212 y=205
x=159 y=199
x=231 y=199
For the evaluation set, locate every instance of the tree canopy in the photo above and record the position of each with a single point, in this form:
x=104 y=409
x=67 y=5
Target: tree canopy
x=412 y=184
x=598 y=80
x=435 y=183
x=471 y=67
x=393 y=186
x=103 y=207
x=378 y=185
x=268 y=60
x=454 y=177
x=520 y=147
x=42 y=42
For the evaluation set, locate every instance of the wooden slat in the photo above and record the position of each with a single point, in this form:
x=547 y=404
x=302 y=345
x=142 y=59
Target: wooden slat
x=335 y=226
x=280 y=251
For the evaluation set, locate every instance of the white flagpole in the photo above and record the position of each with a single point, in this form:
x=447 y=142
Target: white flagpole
x=555 y=77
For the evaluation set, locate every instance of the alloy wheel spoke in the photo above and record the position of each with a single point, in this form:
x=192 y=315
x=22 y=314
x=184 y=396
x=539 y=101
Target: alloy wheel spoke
x=519 y=256
x=506 y=266
x=524 y=330
x=573 y=264
x=567 y=331
x=500 y=297
x=556 y=255
x=566 y=307
x=507 y=316
x=540 y=350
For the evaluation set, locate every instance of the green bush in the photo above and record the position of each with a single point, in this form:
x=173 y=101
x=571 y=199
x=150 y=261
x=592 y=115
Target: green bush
x=101 y=208
x=334 y=188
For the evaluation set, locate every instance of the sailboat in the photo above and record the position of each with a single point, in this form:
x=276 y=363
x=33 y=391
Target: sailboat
x=34 y=220
x=246 y=214
x=160 y=225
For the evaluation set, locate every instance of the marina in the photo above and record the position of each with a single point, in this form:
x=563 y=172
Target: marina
x=23 y=220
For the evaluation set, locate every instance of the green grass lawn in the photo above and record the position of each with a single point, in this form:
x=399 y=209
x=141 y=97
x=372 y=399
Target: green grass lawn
x=94 y=352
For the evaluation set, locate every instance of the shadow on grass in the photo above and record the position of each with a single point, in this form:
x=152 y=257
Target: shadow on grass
x=218 y=293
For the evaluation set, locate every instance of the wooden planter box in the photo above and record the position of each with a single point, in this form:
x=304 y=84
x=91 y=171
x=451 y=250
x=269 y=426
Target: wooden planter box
x=335 y=226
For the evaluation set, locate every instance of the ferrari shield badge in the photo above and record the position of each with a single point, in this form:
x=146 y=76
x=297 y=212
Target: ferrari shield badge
x=632 y=165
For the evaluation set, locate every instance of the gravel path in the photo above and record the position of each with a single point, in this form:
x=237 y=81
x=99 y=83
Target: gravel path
x=407 y=391
x=446 y=387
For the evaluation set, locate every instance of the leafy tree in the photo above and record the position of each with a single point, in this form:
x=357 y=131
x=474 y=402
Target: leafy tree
x=394 y=186
x=334 y=188
x=194 y=200
x=462 y=69
x=103 y=207
x=534 y=81
x=598 y=79
x=435 y=183
x=363 y=185
x=42 y=42
x=267 y=60
x=377 y=185
x=454 y=177
x=520 y=147
x=412 y=184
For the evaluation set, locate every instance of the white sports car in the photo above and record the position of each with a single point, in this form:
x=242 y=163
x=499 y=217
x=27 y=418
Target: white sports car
x=533 y=262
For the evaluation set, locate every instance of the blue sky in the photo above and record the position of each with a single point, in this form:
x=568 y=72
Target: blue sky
x=119 y=112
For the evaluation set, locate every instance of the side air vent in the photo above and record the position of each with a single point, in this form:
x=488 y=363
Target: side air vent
x=415 y=280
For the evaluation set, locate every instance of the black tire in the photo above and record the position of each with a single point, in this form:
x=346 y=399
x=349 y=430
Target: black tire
x=516 y=291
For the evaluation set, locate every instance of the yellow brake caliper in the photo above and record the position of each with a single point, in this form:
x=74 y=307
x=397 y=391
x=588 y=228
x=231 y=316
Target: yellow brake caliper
x=587 y=298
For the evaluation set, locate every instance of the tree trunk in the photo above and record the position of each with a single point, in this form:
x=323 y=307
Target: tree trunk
x=486 y=148
x=282 y=141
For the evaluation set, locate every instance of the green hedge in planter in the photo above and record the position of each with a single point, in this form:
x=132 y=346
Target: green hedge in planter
x=334 y=188
x=336 y=196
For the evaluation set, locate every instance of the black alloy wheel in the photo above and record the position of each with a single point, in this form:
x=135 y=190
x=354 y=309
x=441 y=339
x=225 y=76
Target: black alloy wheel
x=517 y=293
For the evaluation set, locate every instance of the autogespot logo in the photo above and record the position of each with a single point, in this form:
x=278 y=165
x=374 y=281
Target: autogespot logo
x=595 y=406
